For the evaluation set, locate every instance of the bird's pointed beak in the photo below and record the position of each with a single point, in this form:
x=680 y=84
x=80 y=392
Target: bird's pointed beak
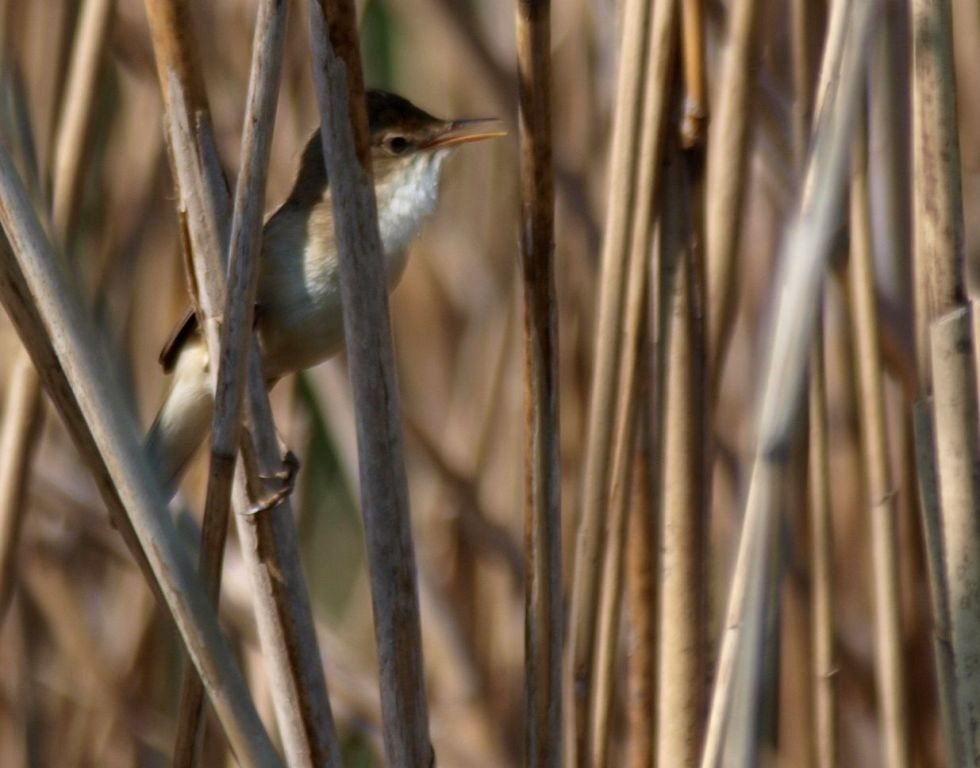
x=462 y=131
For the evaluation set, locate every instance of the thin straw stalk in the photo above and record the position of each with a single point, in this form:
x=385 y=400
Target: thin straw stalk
x=641 y=548
x=879 y=483
x=955 y=418
x=598 y=447
x=728 y=143
x=384 y=491
x=18 y=439
x=660 y=54
x=61 y=340
x=542 y=479
x=824 y=664
x=809 y=240
x=268 y=539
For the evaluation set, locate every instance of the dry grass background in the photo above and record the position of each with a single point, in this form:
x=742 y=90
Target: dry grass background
x=92 y=665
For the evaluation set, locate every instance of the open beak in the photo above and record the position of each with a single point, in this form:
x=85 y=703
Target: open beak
x=462 y=131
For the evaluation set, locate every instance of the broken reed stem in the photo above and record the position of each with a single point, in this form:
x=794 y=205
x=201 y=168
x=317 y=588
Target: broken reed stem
x=543 y=623
x=18 y=440
x=681 y=643
x=937 y=197
x=268 y=540
x=879 y=484
x=384 y=488
x=824 y=664
x=728 y=145
x=656 y=102
x=70 y=144
x=932 y=534
x=695 y=116
x=236 y=333
x=598 y=448
x=955 y=446
x=62 y=342
x=803 y=258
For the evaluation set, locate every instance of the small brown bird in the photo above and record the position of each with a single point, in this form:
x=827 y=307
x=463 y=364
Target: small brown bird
x=298 y=313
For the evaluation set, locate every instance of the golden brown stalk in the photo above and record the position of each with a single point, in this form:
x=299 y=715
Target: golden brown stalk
x=728 y=144
x=879 y=483
x=824 y=665
x=660 y=53
x=598 y=448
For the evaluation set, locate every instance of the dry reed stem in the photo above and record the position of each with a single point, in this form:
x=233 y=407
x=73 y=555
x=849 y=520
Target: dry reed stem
x=384 y=491
x=15 y=460
x=955 y=419
x=824 y=663
x=18 y=441
x=656 y=101
x=268 y=540
x=932 y=534
x=236 y=333
x=80 y=91
x=880 y=490
x=801 y=34
x=641 y=548
x=543 y=622
x=61 y=340
x=598 y=446
x=695 y=117
x=937 y=198
x=804 y=255
x=681 y=642
x=728 y=143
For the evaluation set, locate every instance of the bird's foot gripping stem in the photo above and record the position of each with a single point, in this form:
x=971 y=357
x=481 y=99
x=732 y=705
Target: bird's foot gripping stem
x=286 y=477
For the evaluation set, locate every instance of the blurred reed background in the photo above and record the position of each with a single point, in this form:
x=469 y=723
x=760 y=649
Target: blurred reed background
x=846 y=672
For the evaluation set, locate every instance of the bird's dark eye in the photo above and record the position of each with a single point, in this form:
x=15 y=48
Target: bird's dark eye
x=397 y=144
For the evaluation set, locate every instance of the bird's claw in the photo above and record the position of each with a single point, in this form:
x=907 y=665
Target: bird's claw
x=286 y=476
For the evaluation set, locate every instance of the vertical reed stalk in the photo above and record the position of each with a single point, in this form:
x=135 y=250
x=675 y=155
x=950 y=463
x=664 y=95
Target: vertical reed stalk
x=824 y=664
x=728 y=143
x=641 y=549
x=235 y=337
x=656 y=101
x=384 y=490
x=958 y=471
x=542 y=480
x=269 y=539
x=681 y=639
x=932 y=534
x=878 y=477
x=937 y=198
x=20 y=428
x=598 y=449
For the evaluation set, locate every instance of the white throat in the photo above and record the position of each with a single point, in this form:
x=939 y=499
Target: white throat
x=405 y=202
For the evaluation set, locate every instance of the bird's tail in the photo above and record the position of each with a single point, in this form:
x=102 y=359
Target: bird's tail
x=183 y=420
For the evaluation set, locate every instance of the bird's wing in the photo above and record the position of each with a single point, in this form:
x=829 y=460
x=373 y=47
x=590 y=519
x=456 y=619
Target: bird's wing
x=181 y=333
